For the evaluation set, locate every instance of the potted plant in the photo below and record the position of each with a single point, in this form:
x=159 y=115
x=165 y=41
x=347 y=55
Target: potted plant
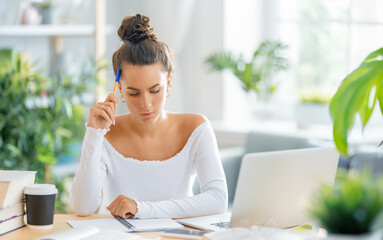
x=256 y=74
x=46 y=9
x=352 y=209
x=40 y=117
x=357 y=95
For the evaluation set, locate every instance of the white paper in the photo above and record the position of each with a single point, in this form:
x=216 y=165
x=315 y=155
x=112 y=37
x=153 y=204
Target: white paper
x=158 y=224
x=140 y=225
x=90 y=233
x=259 y=233
x=102 y=223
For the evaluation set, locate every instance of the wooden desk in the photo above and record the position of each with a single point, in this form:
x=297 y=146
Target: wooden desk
x=60 y=223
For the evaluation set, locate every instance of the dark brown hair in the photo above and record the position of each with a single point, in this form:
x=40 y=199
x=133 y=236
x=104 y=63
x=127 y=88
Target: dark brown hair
x=140 y=45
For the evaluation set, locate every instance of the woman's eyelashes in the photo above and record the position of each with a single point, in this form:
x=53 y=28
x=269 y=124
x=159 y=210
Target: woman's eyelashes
x=136 y=93
x=155 y=91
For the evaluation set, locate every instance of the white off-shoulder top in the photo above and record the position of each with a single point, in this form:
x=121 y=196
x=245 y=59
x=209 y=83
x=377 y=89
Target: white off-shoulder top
x=160 y=188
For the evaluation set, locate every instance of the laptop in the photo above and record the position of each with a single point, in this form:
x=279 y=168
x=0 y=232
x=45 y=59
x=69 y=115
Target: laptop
x=274 y=189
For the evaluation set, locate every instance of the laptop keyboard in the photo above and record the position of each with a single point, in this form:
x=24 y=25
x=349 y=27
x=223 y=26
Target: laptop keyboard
x=221 y=224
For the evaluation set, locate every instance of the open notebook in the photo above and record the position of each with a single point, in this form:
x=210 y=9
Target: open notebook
x=128 y=225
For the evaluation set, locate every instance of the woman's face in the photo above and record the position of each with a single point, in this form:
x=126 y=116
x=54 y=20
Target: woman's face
x=144 y=89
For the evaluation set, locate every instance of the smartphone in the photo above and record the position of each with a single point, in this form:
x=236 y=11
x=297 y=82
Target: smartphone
x=184 y=233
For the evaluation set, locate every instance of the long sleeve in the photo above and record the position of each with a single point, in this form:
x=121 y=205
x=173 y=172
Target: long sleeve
x=213 y=198
x=86 y=189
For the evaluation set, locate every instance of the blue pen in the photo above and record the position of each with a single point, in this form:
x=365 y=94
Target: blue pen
x=116 y=81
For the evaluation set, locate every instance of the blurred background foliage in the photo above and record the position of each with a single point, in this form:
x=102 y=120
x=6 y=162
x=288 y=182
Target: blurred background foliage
x=41 y=117
x=255 y=74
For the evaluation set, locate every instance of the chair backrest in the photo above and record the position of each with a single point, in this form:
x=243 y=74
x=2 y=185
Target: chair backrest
x=373 y=161
x=265 y=142
x=231 y=162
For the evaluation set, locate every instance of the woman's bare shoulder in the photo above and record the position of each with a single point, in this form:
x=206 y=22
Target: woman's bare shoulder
x=188 y=121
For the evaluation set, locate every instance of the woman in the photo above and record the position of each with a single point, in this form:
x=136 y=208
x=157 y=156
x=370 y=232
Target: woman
x=143 y=164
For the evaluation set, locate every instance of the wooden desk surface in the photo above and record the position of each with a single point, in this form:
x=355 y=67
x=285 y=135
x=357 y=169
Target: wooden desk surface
x=60 y=223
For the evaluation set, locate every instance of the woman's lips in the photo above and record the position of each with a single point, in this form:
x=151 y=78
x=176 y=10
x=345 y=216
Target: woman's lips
x=147 y=115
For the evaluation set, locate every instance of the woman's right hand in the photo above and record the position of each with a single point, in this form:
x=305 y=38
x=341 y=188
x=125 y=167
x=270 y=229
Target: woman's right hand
x=102 y=114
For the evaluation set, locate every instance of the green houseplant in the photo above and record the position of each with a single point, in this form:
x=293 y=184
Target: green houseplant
x=255 y=74
x=352 y=208
x=40 y=117
x=357 y=95
x=17 y=122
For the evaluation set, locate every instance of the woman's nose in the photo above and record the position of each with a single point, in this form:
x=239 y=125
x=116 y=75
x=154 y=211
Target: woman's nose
x=146 y=102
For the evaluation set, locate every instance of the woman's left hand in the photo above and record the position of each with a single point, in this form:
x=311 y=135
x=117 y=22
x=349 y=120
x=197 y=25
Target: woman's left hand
x=123 y=206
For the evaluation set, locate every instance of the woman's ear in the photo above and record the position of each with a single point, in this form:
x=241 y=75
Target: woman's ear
x=169 y=81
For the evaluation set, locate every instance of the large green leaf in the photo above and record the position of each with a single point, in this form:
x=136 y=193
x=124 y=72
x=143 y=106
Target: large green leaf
x=370 y=95
x=352 y=97
x=379 y=95
x=365 y=110
x=338 y=107
x=374 y=56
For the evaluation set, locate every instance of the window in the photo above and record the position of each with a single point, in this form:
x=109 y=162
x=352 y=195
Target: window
x=328 y=38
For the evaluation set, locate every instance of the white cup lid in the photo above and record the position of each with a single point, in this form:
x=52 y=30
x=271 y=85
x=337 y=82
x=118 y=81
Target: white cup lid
x=40 y=189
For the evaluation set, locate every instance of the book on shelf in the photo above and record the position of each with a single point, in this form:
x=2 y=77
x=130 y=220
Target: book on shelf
x=12 y=184
x=11 y=211
x=90 y=233
x=11 y=224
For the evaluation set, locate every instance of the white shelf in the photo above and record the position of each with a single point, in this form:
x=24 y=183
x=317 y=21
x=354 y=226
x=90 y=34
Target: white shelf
x=50 y=30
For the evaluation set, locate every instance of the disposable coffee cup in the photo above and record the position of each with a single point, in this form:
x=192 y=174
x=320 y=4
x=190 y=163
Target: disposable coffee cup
x=40 y=202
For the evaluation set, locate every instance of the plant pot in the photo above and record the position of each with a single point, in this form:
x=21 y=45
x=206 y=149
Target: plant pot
x=260 y=108
x=377 y=235
x=312 y=113
x=47 y=15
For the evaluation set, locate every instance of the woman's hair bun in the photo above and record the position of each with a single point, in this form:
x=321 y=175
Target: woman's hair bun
x=136 y=28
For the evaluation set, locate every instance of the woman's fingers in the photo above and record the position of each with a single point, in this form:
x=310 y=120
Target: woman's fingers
x=121 y=207
x=111 y=98
x=110 y=207
x=114 y=209
x=103 y=111
x=114 y=205
x=107 y=104
x=109 y=109
x=103 y=114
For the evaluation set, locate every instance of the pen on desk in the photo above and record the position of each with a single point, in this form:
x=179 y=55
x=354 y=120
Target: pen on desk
x=125 y=223
x=116 y=81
